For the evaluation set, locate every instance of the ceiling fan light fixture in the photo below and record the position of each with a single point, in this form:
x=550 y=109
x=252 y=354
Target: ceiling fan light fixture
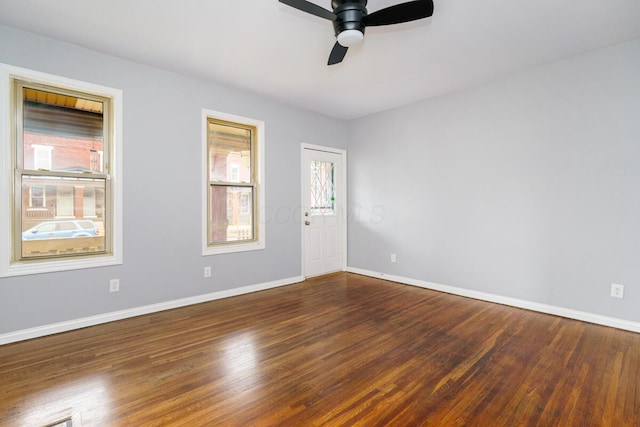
x=348 y=38
x=350 y=18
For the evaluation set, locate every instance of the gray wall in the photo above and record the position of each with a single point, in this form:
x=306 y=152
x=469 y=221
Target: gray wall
x=528 y=187
x=162 y=185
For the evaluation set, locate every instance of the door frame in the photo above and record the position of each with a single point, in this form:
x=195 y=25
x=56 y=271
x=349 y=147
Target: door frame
x=343 y=190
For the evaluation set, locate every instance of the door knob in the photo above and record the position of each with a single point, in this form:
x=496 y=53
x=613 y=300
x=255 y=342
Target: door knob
x=307 y=223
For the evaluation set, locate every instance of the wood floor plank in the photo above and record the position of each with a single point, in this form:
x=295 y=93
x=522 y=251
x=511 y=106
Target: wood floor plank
x=335 y=350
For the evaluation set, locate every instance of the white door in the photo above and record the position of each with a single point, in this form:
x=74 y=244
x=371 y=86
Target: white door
x=323 y=210
x=64 y=203
x=89 y=202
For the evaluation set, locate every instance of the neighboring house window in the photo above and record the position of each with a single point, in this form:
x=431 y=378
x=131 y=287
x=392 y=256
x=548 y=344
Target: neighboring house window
x=235 y=173
x=37 y=197
x=245 y=205
x=96 y=160
x=42 y=157
x=234 y=188
x=63 y=164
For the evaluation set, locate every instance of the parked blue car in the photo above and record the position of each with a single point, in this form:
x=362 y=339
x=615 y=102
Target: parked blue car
x=63 y=228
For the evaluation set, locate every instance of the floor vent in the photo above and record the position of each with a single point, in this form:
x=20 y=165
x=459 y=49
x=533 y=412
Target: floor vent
x=64 y=423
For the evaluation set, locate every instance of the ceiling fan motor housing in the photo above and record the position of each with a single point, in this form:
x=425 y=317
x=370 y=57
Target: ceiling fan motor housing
x=350 y=15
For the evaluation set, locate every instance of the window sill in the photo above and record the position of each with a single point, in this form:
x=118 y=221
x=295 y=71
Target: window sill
x=233 y=248
x=38 y=267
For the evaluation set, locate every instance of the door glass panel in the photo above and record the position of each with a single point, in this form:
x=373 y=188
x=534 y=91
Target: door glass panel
x=322 y=188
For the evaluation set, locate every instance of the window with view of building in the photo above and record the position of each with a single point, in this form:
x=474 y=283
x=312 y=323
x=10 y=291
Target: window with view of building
x=233 y=184
x=62 y=204
x=56 y=141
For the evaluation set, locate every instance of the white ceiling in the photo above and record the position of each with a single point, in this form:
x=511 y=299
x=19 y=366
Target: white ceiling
x=266 y=47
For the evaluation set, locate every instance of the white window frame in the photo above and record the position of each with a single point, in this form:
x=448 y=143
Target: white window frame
x=259 y=221
x=7 y=141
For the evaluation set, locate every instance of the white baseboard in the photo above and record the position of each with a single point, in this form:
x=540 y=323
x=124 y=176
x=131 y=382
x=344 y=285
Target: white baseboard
x=528 y=305
x=56 y=328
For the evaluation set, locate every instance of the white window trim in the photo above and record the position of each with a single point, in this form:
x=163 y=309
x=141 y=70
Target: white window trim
x=260 y=220
x=7 y=268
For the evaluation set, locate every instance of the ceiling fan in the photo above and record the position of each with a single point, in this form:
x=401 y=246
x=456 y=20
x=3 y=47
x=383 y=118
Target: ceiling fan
x=350 y=18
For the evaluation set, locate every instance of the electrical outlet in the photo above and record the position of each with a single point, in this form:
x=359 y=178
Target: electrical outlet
x=114 y=285
x=393 y=258
x=617 y=291
x=207 y=272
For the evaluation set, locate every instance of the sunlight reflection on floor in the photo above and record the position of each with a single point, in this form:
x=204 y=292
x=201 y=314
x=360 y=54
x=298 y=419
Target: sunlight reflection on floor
x=88 y=398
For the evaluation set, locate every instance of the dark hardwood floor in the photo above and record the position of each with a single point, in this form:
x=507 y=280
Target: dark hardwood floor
x=337 y=350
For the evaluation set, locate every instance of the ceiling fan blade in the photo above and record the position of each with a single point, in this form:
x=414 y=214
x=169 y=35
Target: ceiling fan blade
x=337 y=54
x=311 y=8
x=399 y=13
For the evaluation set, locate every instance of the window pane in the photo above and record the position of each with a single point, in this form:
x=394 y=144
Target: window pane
x=58 y=225
x=61 y=132
x=231 y=214
x=229 y=153
x=322 y=188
